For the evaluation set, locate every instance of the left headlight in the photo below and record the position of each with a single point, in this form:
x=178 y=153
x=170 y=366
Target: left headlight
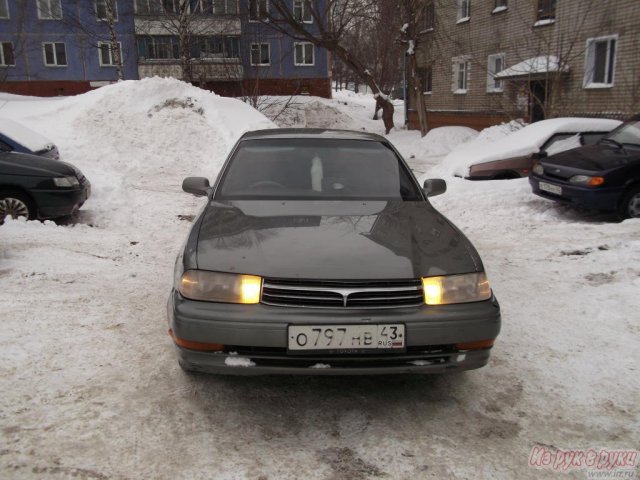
x=587 y=180
x=469 y=287
x=66 y=181
x=220 y=287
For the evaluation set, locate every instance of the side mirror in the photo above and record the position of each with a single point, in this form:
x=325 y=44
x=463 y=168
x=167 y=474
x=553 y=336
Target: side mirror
x=539 y=155
x=198 y=186
x=434 y=186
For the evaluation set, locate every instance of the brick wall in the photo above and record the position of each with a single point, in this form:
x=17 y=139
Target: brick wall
x=513 y=32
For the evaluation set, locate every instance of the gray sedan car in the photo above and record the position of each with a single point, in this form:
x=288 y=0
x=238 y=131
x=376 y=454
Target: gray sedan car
x=318 y=253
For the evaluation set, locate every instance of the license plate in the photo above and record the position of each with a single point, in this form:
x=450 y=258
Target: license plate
x=346 y=338
x=547 y=187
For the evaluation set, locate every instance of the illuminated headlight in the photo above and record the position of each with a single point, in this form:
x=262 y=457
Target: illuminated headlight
x=538 y=169
x=586 y=180
x=470 y=287
x=220 y=287
x=66 y=182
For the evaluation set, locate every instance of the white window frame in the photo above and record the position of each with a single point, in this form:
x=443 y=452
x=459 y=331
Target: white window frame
x=100 y=44
x=589 y=62
x=494 y=85
x=147 y=10
x=461 y=64
x=55 y=55
x=463 y=13
x=500 y=6
x=202 y=6
x=41 y=14
x=6 y=6
x=115 y=8
x=3 y=62
x=313 y=54
x=259 y=19
x=259 y=45
x=304 y=5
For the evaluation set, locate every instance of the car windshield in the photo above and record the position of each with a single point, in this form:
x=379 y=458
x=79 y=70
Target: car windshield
x=627 y=134
x=327 y=169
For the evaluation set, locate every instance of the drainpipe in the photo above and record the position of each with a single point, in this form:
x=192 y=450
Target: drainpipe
x=404 y=81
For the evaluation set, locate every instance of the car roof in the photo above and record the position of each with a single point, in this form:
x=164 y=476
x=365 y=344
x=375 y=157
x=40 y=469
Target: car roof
x=312 y=133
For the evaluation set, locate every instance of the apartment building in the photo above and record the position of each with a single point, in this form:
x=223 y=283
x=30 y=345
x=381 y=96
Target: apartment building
x=486 y=61
x=63 y=47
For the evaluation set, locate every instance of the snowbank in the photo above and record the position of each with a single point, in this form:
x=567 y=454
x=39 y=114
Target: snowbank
x=522 y=142
x=138 y=135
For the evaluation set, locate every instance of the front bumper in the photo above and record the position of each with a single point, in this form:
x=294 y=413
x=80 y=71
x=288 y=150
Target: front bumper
x=258 y=334
x=61 y=202
x=592 y=198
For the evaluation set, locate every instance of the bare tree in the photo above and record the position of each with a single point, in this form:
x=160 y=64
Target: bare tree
x=332 y=21
x=192 y=23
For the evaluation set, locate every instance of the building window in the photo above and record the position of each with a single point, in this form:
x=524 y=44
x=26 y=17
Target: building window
x=55 y=54
x=218 y=7
x=4 y=9
x=495 y=64
x=546 y=10
x=158 y=48
x=464 y=10
x=49 y=9
x=461 y=70
x=216 y=48
x=429 y=16
x=600 y=62
x=426 y=76
x=260 y=54
x=303 y=54
x=6 y=54
x=302 y=11
x=102 y=12
x=258 y=10
x=151 y=7
x=106 y=54
x=500 y=6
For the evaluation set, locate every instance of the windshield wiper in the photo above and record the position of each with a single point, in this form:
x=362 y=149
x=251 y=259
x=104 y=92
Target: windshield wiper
x=615 y=142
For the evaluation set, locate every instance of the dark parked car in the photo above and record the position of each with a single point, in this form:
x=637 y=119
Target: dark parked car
x=318 y=253
x=37 y=187
x=604 y=176
x=15 y=137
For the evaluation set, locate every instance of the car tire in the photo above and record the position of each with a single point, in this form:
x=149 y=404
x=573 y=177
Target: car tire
x=630 y=204
x=15 y=203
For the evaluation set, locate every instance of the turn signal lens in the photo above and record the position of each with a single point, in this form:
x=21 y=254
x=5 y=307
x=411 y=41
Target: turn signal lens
x=201 y=346
x=469 y=287
x=220 y=287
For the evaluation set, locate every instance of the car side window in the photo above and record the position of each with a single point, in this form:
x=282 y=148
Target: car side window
x=4 y=147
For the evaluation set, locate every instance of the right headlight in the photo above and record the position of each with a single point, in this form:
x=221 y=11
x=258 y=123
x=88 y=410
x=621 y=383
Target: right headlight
x=66 y=181
x=469 y=287
x=538 y=169
x=220 y=287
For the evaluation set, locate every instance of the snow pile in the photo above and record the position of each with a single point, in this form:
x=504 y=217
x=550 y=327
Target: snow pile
x=305 y=113
x=137 y=136
x=522 y=142
x=496 y=132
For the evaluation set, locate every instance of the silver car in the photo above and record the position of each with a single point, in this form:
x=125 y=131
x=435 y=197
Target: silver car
x=318 y=253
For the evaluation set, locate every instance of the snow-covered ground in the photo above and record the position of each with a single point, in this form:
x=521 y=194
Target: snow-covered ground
x=91 y=389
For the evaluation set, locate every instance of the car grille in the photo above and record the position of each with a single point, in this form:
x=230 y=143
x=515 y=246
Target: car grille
x=342 y=294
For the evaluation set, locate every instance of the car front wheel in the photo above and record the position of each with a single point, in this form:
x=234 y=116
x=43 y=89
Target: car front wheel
x=630 y=205
x=16 y=204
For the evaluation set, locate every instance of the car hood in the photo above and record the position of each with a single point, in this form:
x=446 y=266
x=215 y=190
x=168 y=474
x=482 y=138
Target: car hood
x=25 y=164
x=332 y=240
x=594 y=158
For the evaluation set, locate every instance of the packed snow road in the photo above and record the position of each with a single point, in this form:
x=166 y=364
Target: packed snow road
x=91 y=389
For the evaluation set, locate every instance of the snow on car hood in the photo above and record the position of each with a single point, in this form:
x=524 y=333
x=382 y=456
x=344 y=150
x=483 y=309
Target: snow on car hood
x=525 y=141
x=25 y=136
